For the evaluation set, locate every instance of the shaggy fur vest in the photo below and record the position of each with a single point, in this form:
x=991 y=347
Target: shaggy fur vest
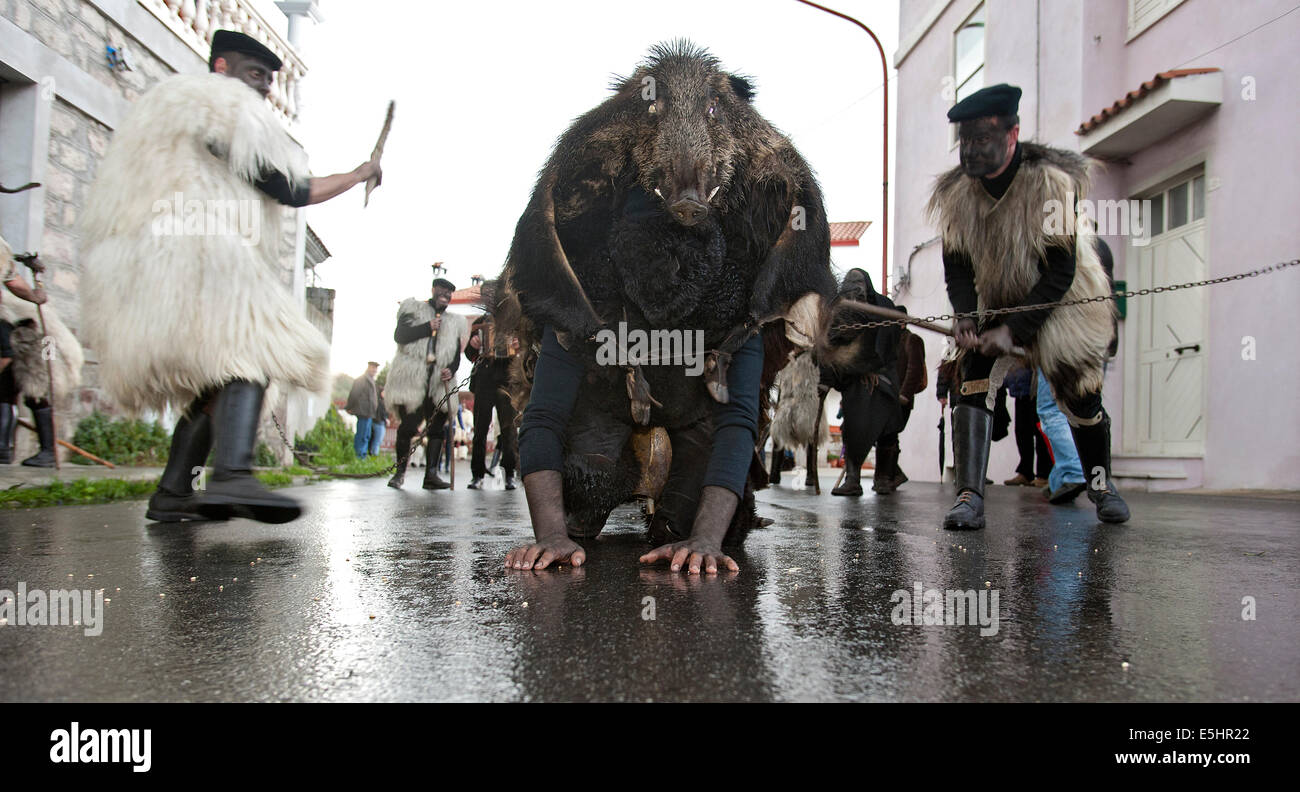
x=1007 y=238
x=797 y=418
x=176 y=305
x=411 y=378
x=31 y=351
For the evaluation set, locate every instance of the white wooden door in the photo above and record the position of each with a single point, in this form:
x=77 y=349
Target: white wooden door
x=1168 y=391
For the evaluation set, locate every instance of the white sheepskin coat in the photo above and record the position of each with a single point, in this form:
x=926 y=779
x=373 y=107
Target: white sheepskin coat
x=171 y=315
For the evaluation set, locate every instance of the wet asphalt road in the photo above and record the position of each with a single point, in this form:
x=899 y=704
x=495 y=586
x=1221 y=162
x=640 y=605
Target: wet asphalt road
x=377 y=595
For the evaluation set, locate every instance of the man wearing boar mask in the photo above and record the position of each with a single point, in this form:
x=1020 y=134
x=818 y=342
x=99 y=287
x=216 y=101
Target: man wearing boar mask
x=997 y=253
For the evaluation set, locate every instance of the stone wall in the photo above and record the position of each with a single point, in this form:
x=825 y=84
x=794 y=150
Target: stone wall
x=76 y=34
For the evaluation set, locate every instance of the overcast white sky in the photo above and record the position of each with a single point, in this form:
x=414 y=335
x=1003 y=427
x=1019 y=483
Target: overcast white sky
x=483 y=89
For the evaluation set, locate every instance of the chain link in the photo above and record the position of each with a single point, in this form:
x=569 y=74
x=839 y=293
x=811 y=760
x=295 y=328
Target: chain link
x=302 y=457
x=978 y=315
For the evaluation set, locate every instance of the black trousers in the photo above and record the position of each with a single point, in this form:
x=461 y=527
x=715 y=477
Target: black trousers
x=409 y=426
x=489 y=388
x=890 y=439
x=869 y=415
x=1035 y=462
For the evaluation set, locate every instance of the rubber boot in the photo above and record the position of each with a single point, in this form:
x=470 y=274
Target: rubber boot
x=810 y=476
x=1093 y=445
x=45 y=431
x=7 y=423
x=774 y=466
x=972 y=435
x=852 y=479
x=233 y=491
x=399 y=476
x=432 y=481
x=510 y=479
x=900 y=478
x=175 y=499
x=886 y=469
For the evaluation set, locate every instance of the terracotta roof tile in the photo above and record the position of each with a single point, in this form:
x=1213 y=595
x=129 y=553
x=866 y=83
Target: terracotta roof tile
x=848 y=233
x=1129 y=98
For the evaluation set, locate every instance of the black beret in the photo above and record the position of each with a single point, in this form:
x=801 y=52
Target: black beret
x=996 y=100
x=231 y=41
x=444 y=283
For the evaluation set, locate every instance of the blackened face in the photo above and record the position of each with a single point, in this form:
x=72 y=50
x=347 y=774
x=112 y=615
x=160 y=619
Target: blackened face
x=254 y=73
x=441 y=298
x=854 y=286
x=983 y=146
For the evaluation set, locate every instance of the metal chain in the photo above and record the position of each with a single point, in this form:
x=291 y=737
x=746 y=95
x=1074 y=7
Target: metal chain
x=978 y=315
x=391 y=468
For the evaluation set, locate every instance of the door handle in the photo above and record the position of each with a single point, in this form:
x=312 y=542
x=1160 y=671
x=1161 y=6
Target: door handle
x=1193 y=347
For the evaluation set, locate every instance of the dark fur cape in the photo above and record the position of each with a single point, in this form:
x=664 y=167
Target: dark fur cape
x=558 y=267
x=587 y=255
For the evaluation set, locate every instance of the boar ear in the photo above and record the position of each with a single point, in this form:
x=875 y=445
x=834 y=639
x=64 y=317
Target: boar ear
x=742 y=86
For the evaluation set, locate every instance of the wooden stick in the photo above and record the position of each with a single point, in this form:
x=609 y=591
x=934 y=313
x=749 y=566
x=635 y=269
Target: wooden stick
x=72 y=447
x=888 y=313
x=378 y=152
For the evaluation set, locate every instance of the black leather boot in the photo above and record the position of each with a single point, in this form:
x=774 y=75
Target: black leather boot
x=7 y=423
x=510 y=479
x=972 y=435
x=1093 y=445
x=886 y=469
x=774 y=466
x=175 y=499
x=430 y=471
x=45 y=431
x=432 y=481
x=852 y=478
x=900 y=478
x=233 y=491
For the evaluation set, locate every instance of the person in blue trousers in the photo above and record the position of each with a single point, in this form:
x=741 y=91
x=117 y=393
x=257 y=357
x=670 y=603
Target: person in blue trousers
x=1066 y=482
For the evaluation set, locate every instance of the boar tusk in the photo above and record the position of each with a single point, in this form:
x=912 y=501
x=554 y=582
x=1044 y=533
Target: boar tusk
x=661 y=195
x=715 y=192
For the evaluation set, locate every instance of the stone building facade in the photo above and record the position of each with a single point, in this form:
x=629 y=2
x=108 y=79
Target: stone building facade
x=69 y=70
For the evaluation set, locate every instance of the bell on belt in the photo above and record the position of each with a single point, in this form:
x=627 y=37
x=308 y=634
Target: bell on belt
x=429 y=358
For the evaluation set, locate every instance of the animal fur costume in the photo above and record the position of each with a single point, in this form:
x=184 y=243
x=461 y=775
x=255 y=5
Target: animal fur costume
x=65 y=353
x=172 y=309
x=1005 y=239
x=411 y=378
x=585 y=258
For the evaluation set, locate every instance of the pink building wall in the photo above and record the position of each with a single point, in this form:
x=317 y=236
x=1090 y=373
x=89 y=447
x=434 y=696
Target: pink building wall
x=1081 y=63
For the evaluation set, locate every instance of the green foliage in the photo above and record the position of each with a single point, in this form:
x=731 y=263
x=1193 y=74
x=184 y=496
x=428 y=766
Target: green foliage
x=274 y=478
x=330 y=439
x=85 y=491
x=265 y=457
x=122 y=441
x=62 y=493
x=370 y=466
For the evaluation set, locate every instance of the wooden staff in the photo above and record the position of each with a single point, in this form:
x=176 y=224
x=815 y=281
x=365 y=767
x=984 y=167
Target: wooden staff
x=378 y=152
x=72 y=447
x=889 y=313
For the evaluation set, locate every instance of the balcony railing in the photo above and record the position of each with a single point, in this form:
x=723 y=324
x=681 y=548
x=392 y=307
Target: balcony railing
x=194 y=22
